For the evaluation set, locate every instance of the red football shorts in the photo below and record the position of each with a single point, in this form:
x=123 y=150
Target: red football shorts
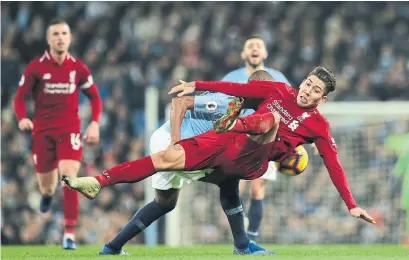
x=48 y=149
x=232 y=154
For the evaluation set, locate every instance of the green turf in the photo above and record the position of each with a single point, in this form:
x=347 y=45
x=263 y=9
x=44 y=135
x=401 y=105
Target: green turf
x=296 y=252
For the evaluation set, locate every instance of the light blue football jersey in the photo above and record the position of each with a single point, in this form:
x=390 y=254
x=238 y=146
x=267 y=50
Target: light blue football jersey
x=209 y=106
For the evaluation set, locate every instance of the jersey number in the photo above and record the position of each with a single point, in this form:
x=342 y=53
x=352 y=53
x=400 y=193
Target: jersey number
x=75 y=141
x=294 y=124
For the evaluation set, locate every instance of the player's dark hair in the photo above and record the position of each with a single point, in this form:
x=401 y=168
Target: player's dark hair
x=261 y=75
x=326 y=76
x=254 y=36
x=56 y=21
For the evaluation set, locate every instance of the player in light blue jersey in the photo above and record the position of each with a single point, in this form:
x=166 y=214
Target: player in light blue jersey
x=190 y=116
x=254 y=54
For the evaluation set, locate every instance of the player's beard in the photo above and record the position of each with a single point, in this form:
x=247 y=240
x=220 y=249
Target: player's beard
x=253 y=65
x=59 y=52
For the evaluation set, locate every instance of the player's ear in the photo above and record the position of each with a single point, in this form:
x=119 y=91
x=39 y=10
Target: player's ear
x=243 y=55
x=323 y=99
x=265 y=54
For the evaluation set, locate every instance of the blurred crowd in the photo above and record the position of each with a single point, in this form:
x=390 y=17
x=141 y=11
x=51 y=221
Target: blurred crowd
x=307 y=209
x=130 y=46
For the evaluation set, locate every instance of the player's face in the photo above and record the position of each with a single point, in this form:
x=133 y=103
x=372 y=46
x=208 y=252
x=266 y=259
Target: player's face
x=59 y=38
x=311 y=92
x=254 y=52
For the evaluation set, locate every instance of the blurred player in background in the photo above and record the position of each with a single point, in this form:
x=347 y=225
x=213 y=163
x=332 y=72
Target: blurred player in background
x=254 y=54
x=54 y=81
x=190 y=116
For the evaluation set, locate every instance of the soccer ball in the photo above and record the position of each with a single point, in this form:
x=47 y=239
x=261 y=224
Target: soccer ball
x=294 y=164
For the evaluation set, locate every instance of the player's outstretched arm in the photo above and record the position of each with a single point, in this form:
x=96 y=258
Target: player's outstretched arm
x=253 y=89
x=326 y=149
x=179 y=107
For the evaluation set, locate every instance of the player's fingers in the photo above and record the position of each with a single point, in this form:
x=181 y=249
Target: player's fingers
x=176 y=89
x=184 y=92
x=182 y=82
x=367 y=218
x=30 y=125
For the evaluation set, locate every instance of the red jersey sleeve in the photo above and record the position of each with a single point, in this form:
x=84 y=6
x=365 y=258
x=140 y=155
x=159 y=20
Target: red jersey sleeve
x=328 y=150
x=25 y=87
x=89 y=88
x=254 y=89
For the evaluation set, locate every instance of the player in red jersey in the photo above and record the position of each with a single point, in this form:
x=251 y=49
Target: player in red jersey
x=285 y=119
x=54 y=80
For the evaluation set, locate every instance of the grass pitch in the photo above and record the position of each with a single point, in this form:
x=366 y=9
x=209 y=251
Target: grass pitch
x=213 y=252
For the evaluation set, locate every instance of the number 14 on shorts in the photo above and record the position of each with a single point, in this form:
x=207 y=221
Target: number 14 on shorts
x=76 y=141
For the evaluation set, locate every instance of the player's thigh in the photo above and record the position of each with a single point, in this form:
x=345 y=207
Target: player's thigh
x=163 y=155
x=69 y=153
x=47 y=181
x=44 y=153
x=173 y=158
x=258 y=187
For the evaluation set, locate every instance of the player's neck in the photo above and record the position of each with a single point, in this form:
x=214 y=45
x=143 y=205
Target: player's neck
x=250 y=69
x=59 y=58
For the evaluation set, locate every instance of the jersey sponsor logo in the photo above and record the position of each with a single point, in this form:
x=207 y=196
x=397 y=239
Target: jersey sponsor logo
x=61 y=88
x=275 y=107
x=47 y=76
x=285 y=116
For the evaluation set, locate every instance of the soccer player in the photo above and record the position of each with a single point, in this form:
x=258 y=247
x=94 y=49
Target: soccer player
x=54 y=81
x=254 y=54
x=190 y=116
x=286 y=119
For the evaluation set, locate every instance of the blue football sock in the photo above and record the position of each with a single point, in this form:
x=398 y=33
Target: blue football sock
x=255 y=216
x=231 y=204
x=139 y=222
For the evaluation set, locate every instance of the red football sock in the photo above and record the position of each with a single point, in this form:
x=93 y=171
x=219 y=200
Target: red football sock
x=127 y=172
x=70 y=208
x=254 y=124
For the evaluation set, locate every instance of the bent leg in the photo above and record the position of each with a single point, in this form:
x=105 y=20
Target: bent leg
x=164 y=202
x=172 y=158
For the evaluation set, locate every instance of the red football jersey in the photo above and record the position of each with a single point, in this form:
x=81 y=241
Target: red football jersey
x=55 y=90
x=297 y=126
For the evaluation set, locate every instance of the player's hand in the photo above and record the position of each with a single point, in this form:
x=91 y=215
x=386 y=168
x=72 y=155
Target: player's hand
x=92 y=133
x=184 y=88
x=25 y=124
x=361 y=213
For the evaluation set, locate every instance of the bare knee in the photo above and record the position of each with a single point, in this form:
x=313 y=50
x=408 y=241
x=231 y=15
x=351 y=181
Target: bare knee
x=167 y=198
x=258 y=189
x=171 y=158
x=69 y=167
x=47 y=182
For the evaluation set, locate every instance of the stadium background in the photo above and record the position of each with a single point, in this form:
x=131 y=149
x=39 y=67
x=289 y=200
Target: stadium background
x=130 y=46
